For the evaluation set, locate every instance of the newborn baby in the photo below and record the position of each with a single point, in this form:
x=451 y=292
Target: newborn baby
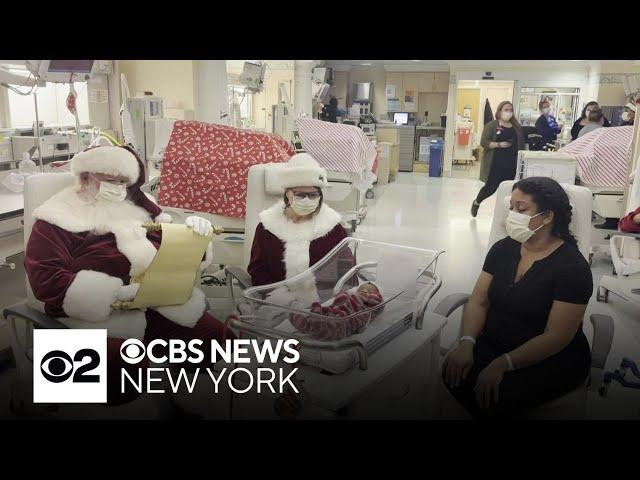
x=343 y=305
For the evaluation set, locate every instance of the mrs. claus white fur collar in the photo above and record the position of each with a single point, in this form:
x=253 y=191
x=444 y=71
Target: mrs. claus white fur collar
x=297 y=237
x=124 y=219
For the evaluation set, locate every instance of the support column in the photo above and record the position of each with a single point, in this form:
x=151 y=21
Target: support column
x=210 y=91
x=302 y=97
x=449 y=136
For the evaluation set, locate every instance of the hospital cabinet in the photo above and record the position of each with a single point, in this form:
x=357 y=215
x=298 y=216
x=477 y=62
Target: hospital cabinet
x=403 y=137
x=384 y=162
x=388 y=134
x=416 y=82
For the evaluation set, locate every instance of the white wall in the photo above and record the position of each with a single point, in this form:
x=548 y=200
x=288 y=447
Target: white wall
x=610 y=74
x=210 y=91
x=99 y=112
x=170 y=79
x=378 y=76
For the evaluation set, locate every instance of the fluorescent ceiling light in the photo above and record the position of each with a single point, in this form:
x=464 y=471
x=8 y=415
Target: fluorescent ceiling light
x=365 y=64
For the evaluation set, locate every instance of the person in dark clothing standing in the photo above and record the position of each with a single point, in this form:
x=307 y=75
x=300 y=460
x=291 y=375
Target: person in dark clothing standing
x=546 y=125
x=330 y=112
x=522 y=342
x=583 y=120
x=501 y=140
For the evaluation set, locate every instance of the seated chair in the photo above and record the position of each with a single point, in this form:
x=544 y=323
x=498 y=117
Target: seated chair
x=581 y=199
x=26 y=316
x=625 y=254
x=532 y=138
x=263 y=190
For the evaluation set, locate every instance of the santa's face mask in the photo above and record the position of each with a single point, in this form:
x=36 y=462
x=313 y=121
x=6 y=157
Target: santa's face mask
x=112 y=192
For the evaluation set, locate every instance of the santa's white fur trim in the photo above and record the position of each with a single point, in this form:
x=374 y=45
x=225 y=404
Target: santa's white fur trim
x=132 y=242
x=90 y=295
x=107 y=160
x=188 y=314
x=120 y=324
x=67 y=210
x=302 y=170
x=163 y=218
x=297 y=237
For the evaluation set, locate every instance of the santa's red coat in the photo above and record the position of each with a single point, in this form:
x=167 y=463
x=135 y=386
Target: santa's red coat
x=55 y=256
x=77 y=258
x=267 y=253
x=282 y=249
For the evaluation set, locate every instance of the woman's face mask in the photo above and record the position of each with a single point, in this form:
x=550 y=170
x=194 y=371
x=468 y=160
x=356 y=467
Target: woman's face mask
x=506 y=115
x=517 y=226
x=546 y=110
x=625 y=116
x=304 y=203
x=112 y=192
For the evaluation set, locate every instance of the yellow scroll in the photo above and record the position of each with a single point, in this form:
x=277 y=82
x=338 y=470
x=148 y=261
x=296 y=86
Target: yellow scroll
x=170 y=278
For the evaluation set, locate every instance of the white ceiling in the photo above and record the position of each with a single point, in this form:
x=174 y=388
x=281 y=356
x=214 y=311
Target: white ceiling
x=390 y=65
x=387 y=62
x=444 y=64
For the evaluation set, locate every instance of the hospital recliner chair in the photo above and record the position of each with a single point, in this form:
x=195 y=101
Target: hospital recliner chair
x=24 y=317
x=263 y=190
x=625 y=254
x=572 y=405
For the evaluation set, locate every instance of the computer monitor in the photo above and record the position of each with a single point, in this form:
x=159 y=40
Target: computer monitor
x=400 y=118
x=61 y=71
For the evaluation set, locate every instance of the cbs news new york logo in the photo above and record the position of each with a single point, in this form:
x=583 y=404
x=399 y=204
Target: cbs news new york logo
x=70 y=366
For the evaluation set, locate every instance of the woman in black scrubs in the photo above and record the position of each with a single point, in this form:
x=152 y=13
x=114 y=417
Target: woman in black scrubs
x=522 y=342
x=501 y=140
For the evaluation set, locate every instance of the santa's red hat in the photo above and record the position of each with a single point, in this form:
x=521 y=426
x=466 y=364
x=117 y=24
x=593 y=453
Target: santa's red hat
x=121 y=161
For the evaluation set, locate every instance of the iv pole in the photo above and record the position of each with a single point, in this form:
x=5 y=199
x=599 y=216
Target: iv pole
x=37 y=132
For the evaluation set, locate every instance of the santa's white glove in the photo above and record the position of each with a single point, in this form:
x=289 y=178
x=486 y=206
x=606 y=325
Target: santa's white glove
x=200 y=225
x=128 y=292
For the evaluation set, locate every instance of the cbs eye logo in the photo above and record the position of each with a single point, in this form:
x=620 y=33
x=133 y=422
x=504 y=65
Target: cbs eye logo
x=70 y=366
x=57 y=366
x=132 y=351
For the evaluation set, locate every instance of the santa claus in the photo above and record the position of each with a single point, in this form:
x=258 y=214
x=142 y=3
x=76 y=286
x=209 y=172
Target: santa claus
x=88 y=241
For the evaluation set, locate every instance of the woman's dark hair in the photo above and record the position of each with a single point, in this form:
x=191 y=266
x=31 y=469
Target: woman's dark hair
x=549 y=196
x=286 y=199
x=584 y=110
